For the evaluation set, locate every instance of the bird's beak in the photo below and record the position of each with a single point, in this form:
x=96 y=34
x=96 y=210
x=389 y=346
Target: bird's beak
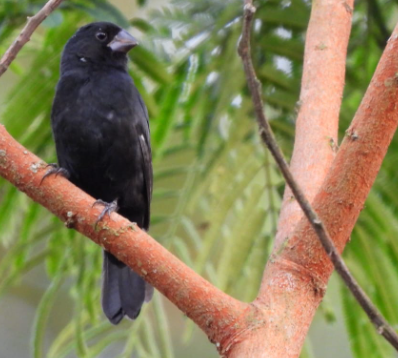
x=123 y=42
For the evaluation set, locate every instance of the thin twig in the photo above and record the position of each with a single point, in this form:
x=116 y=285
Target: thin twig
x=27 y=31
x=268 y=139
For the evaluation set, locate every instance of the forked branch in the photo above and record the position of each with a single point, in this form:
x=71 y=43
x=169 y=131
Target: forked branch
x=268 y=139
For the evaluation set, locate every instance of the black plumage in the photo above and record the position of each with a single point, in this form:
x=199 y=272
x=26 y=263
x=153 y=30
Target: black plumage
x=101 y=131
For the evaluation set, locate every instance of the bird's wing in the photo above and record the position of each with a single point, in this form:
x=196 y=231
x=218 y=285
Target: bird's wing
x=144 y=139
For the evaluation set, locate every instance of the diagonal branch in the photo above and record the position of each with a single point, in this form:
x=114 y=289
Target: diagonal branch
x=268 y=138
x=211 y=309
x=27 y=31
x=220 y=316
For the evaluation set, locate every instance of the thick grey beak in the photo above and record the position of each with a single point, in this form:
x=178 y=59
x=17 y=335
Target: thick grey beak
x=123 y=42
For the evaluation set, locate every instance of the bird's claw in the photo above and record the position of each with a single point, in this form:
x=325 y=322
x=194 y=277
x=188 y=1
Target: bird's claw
x=109 y=208
x=56 y=170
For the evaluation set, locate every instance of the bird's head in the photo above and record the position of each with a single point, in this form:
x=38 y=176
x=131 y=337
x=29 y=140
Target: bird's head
x=98 y=44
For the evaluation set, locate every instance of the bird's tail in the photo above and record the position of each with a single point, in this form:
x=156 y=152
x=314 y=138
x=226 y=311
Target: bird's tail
x=123 y=291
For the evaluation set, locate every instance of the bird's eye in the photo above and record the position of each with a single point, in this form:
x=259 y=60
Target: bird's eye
x=102 y=36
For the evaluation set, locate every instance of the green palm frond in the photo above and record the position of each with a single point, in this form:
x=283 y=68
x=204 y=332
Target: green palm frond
x=217 y=191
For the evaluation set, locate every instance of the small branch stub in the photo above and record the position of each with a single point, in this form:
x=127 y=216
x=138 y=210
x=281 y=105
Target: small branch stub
x=249 y=7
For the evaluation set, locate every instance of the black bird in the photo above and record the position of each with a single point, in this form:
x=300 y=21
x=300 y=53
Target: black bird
x=101 y=132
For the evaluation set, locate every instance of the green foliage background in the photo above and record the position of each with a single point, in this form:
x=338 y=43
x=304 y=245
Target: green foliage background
x=217 y=191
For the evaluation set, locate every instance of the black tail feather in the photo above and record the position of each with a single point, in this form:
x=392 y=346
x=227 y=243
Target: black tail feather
x=123 y=291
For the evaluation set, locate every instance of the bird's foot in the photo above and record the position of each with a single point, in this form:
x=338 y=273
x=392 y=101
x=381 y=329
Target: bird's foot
x=109 y=208
x=56 y=170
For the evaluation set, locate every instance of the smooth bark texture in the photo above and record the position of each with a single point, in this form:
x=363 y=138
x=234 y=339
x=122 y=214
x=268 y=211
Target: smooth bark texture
x=296 y=276
x=211 y=309
x=320 y=100
x=268 y=138
x=276 y=323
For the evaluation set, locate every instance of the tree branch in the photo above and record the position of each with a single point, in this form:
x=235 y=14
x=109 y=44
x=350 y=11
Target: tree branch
x=26 y=33
x=211 y=309
x=321 y=92
x=267 y=136
x=295 y=277
x=220 y=316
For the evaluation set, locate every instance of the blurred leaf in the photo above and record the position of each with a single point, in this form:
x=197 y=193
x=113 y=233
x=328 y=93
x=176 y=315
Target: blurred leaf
x=55 y=19
x=166 y=343
x=43 y=312
x=142 y=25
x=217 y=193
x=101 y=10
x=150 y=65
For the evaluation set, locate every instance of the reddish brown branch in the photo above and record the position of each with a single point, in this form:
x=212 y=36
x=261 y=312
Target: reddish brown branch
x=221 y=317
x=320 y=100
x=295 y=279
x=211 y=309
x=27 y=31
x=267 y=136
